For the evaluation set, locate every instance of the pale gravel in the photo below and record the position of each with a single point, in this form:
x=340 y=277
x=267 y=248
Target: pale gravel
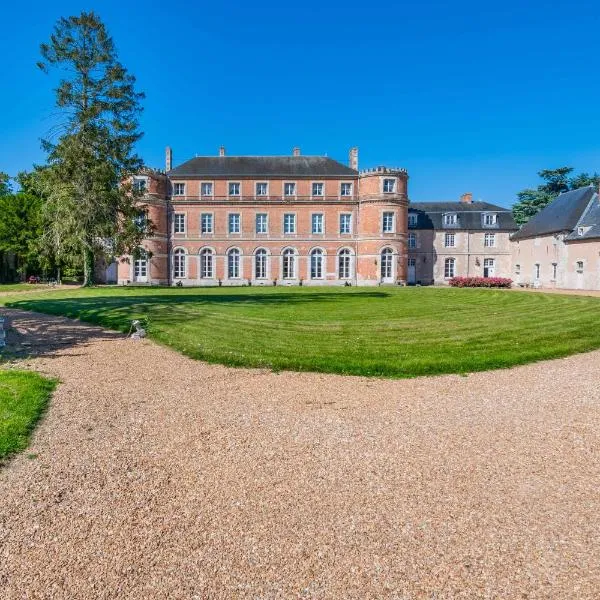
x=158 y=476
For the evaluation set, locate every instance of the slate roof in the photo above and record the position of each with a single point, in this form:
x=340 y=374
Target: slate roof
x=589 y=220
x=262 y=166
x=469 y=214
x=563 y=214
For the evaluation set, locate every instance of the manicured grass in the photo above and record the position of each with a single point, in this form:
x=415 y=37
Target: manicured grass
x=21 y=287
x=393 y=332
x=23 y=398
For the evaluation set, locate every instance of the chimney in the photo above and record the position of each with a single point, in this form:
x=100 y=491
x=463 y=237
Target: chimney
x=353 y=158
x=222 y=151
x=467 y=198
x=296 y=151
x=168 y=158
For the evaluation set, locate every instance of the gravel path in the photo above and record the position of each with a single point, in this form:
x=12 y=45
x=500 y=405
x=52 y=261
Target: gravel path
x=157 y=476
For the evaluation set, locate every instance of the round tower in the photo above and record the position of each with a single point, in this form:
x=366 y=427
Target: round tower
x=382 y=226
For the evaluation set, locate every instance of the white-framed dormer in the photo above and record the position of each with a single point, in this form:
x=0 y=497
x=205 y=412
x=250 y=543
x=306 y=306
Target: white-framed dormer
x=489 y=219
x=450 y=219
x=412 y=219
x=207 y=189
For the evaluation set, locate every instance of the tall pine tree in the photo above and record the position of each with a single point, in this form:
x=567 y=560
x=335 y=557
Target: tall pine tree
x=88 y=208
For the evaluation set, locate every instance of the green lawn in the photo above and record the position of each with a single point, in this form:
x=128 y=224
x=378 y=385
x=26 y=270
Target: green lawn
x=21 y=287
x=23 y=397
x=394 y=332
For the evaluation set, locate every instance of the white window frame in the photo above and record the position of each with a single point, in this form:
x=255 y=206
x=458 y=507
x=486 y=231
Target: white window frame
x=212 y=189
x=449 y=240
x=312 y=223
x=211 y=220
x=266 y=222
x=206 y=274
x=387 y=263
x=289 y=252
x=239 y=222
x=234 y=252
x=285 y=184
x=450 y=219
x=412 y=240
x=449 y=267
x=344 y=253
x=412 y=219
x=229 y=184
x=293 y=220
x=489 y=240
x=536 y=271
x=554 y=271
x=256 y=184
x=579 y=268
x=580 y=231
x=137 y=179
x=348 y=217
x=178 y=183
x=180 y=252
x=394 y=181
x=494 y=219
x=312 y=189
x=321 y=254
x=262 y=252
x=179 y=214
x=346 y=183
x=384 y=215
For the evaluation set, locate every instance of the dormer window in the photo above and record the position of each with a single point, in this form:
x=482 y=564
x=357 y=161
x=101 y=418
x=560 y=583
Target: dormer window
x=490 y=219
x=580 y=231
x=450 y=219
x=389 y=186
x=412 y=219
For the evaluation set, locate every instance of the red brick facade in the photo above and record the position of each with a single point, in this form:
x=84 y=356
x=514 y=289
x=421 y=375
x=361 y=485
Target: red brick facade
x=311 y=228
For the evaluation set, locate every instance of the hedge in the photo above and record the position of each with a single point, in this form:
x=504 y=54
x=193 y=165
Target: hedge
x=489 y=282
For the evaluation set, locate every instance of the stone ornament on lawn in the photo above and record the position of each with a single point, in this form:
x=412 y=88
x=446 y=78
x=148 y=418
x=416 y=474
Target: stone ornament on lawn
x=139 y=332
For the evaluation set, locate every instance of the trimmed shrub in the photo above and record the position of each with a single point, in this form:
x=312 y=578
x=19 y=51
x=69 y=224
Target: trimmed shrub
x=487 y=282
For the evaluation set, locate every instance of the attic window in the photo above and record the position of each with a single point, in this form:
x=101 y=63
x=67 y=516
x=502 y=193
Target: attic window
x=450 y=219
x=490 y=219
x=580 y=231
x=412 y=219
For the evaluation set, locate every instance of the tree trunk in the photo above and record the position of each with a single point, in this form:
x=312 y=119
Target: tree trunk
x=88 y=267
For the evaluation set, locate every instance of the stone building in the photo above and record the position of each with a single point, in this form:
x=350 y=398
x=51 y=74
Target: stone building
x=265 y=220
x=560 y=246
x=465 y=238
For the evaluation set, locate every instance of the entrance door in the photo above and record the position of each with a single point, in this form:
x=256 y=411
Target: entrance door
x=140 y=268
x=412 y=271
x=387 y=266
x=489 y=267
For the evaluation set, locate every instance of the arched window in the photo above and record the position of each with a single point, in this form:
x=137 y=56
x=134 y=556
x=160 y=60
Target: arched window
x=344 y=258
x=449 y=268
x=387 y=263
x=179 y=263
x=289 y=264
x=140 y=265
x=316 y=264
x=233 y=264
x=207 y=264
x=260 y=264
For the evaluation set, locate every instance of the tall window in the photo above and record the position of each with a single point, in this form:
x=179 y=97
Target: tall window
x=206 y=189
x=233 y=264
x=260 y=264
x=449 y=240
x=234 y=188
x=387 y=263
x=346 y=189
x=412 y=240
x=344 y=257
x=388 y=222
x=316 y=264
x=289 y=189
x=536 y=271
x=207 y=264
x=317 y=189
x=179 y=223
x=289 y=223
x=450 y=219
x=262 y=223
x=179 y=263
x=140 y=264
x=234 y=223
x=389 y=186
x=345 y=223
x=449 y=268
x=206 y=223
x=554 y=270
x=179 y=189
x=412 y=219
x=489 y=240
x=261 y=188
x=289 y=264
x=317 y=223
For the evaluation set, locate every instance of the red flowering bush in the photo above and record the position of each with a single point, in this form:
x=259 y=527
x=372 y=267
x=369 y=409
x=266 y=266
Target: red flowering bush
x=487 y=282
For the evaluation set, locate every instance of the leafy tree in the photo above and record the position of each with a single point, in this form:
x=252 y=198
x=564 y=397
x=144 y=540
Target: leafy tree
x=88 y=209
x=5 y=187
x=556 y=181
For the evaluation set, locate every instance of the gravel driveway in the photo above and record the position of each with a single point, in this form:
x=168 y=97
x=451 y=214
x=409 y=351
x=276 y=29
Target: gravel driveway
x=157 y=476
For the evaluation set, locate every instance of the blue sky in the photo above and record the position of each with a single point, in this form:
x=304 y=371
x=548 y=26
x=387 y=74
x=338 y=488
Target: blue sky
x=468 y=96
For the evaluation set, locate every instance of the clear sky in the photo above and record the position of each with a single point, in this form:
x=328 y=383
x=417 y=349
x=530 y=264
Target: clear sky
x=468 y=96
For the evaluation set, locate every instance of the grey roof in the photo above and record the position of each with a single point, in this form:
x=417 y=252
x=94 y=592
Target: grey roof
x=469 y=215
x=589 y=220
x=262 y=166
x=562 y=214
